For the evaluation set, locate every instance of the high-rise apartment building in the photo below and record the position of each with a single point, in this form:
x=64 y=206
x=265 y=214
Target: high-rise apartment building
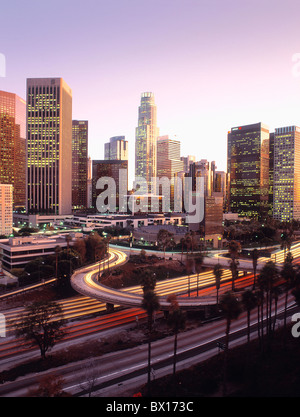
x=116 y=148
x=79 y=164
x=146 y=142
x=117 y=172
x=6 y=209
x=248 y=170
x=12 y=145
x=49 y=146
x=286 y=177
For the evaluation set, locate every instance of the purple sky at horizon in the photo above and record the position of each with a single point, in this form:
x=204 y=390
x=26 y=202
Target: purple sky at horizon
x=211 y=64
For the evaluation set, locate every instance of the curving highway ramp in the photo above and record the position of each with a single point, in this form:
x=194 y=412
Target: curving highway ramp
x=85 y=281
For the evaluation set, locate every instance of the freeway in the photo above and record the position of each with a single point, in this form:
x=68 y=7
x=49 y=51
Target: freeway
x=14 y=350
x=117 y=372
x=87 y=281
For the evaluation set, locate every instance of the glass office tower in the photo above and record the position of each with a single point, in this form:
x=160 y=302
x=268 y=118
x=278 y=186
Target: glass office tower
x=79 y=164
x=146 y=141
x=12 y=145
x=49 y=146
x=286 y=177
x=248 y=170
x=116 y=148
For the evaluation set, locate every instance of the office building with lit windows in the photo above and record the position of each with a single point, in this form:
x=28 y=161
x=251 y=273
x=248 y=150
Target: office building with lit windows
x=271 y=173
x=206 y=170
x=248 y=170
x=79 y=164
x=169 y=164
x=116 y=148
x=146 y=142
x=168 y=157
x=49 y=146
x=6 y=209
x=286 y=177
x=12 y=145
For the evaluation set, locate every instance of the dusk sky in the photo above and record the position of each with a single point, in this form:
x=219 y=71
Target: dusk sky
x=211 y=65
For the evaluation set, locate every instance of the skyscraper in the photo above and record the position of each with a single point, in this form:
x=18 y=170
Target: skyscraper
x=205 y=170
x=116 y=148
x=12 y=145
x=286 y=177
x=6 y=209
x=271 y=173
x=89 y=182
x=49 y=146
x=79 y=164
x=187 y=160
x=110 y=169
x=146 y=141
x=168 y=157
x=248 y=169
x=168 y=163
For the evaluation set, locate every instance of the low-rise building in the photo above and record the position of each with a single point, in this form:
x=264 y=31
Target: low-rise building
x=16 y=252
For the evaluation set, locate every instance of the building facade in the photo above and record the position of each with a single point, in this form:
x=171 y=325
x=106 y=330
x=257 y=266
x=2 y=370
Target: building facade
x=6 y=209
x=169 y=164
x=49 y=146
x=187 y=160
x=286 y=176
x=206 y=170
x=116 y=172
x=12 y=145
x=146 y=142
x=116 y=148
x=248 y=170
x=79 y=164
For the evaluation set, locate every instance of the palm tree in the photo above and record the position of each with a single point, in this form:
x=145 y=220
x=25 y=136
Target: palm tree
x=188 y=242
x=150 y=304
x=68 y=240
x=266 y=280
x=255 y=256
x=147 y=280
x=182 y=242
x=218 y=272
x=57 y=251
x=189 y=268
x=176 y=320
x=286 y=241
x=165 y=239
x=288 y=273
x=231 y=309
x=234 y=248
x=99 y=251
x=107 y=240
x=249 y=301
x=198 y=267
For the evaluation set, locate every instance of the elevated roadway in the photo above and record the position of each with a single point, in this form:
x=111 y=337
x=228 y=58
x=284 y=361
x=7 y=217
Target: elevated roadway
x=86 y=280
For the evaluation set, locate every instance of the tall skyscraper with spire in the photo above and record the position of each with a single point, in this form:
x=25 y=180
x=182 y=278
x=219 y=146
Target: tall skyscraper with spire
x=146 y=141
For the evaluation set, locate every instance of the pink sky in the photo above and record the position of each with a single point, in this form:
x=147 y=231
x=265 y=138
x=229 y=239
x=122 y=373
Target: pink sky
x=211 y=64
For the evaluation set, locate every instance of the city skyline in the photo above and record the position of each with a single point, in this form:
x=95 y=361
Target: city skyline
x=210 y=65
